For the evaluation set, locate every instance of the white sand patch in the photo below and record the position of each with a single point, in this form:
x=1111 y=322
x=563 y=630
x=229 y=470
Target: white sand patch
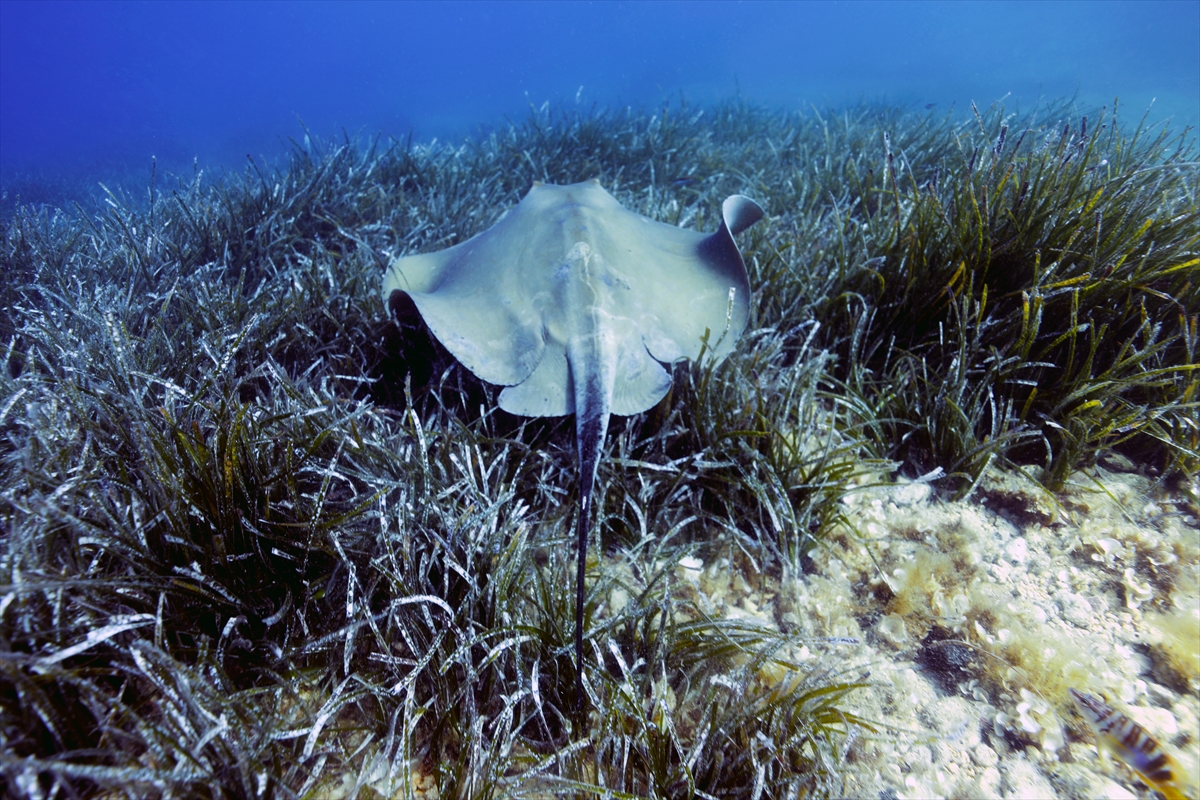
x=976 y=617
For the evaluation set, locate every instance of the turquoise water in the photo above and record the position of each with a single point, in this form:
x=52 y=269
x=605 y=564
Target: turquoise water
x=99 y=87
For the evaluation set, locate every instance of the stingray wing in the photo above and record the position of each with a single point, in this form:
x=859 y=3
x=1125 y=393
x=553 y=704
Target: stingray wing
x=476 y=299
x=570 y=264
x=683 y=284
x=653 y=292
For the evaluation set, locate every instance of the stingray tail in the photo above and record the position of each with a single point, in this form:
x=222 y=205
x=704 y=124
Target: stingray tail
x=590 y=439
x=593 y=371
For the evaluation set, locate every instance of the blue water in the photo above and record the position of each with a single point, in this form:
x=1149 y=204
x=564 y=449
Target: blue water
x=92 y=88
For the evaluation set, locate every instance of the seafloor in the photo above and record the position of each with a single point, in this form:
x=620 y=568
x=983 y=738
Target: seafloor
x=974 y=617
x=969 y=620
x=252 y=545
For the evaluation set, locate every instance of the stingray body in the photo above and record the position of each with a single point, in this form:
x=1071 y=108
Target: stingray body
x=573 y=303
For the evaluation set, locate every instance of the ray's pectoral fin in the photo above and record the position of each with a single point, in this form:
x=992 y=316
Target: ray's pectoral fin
x=640 y=379
x=720 y=252
x=541 y=394
x=639 y=382
x=739 y=212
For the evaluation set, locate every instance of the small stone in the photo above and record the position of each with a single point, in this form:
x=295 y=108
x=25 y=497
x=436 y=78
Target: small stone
x=911 y=494
x=945 y=753
x=1024 y=781
x=617 y=600
x=892 y=628
x=1158 y=721
x=1077 y=610
x=1017 y=550
x=1116 y=462
x=957 y=721
x=984 y=756
x=689 y=568
x=987 y=785
x=1111 y=790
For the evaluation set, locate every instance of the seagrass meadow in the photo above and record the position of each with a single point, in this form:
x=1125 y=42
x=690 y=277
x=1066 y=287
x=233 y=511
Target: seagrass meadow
x=258 y=540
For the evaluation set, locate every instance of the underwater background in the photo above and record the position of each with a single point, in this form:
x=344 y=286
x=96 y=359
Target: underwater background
x=931 y=529
x=91 y=90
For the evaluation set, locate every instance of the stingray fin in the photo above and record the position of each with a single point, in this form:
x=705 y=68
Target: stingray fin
x=641 y=380
x=541 y=394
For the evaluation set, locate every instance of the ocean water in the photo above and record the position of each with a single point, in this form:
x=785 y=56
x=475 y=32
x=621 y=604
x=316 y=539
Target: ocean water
x=91 y=90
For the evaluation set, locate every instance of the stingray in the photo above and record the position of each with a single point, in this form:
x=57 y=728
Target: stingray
x=573 y=304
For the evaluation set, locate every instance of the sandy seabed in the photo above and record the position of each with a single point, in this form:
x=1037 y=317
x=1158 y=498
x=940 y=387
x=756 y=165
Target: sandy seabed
x=974 y=617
